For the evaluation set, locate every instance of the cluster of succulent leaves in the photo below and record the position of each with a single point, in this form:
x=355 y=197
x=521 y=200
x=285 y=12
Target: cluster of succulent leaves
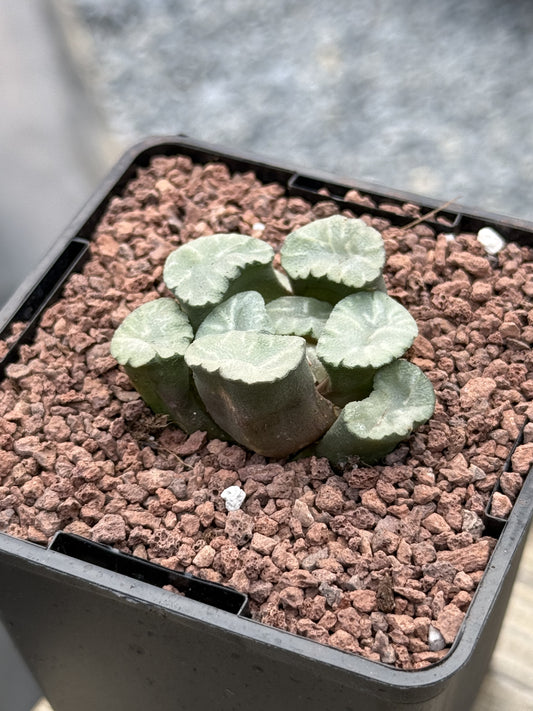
x=304 y=359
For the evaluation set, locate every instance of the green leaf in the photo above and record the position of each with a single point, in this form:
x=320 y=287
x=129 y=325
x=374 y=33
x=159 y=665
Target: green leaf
x=367 y=329
x=333 y=257
x=246 y=356
x=157 y=329
x=403 y=399
x=242 y=312
x=299 y=316
x=150 y=344
x=259 y=388
x=208 y=270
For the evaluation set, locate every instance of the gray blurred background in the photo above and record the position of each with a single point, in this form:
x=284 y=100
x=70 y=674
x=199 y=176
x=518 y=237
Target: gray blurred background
x=432 y=97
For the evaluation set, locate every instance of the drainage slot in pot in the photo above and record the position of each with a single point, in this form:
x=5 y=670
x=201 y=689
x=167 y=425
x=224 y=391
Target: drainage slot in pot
x=372 y=203
x=494 y=524
x=29 y=311
x=190 y=586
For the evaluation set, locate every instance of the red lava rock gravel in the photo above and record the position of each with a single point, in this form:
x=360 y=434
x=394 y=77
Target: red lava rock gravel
x=380 y=561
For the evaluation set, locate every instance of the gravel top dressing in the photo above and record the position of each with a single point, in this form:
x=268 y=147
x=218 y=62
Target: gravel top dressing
x=381 y=561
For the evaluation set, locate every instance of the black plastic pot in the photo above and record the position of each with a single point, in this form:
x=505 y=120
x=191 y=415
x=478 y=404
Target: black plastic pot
x=96 y=627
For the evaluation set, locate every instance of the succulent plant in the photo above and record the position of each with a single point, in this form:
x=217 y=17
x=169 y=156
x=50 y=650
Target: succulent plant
x=281 y=362
x=331 y=258
x=151 y=343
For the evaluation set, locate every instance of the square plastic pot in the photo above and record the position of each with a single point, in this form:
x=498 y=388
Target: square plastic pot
x=97 y=628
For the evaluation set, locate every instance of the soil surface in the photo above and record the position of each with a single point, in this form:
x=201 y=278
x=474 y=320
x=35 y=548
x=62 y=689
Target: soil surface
x=381 y=561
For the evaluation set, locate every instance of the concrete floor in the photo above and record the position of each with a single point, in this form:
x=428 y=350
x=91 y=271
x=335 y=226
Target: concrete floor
x=42 y=705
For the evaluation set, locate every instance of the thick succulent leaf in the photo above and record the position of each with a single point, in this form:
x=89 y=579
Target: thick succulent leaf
x=259 y=388
x=242 y=312
x=208 y=270
x=403 y=399
x=333 y=257
x=157 y=329
x=150 y=344
x=246 y=356
x=299 y=316
x=201 y=271
x=366 y=330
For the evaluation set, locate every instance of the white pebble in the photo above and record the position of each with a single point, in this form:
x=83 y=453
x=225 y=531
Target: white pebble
x=258 y=226
x=449 y=236
x=435 y=639
x=491 y=240
x=234 y=497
